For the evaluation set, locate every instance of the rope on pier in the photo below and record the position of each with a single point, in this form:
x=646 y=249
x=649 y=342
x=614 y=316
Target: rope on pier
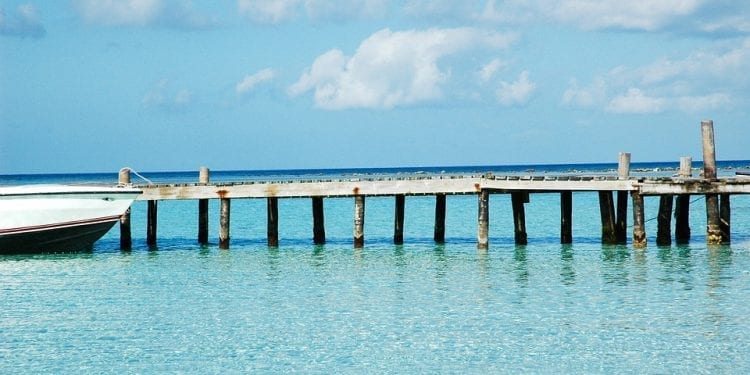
x=138 y=174
x=657 y=216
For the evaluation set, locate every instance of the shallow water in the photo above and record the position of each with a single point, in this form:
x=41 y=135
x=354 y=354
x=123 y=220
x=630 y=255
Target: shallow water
x=420 y=307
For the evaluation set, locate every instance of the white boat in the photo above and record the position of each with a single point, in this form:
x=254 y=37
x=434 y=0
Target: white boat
x=59 y=218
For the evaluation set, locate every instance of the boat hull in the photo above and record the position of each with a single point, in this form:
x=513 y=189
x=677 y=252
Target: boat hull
x=58 y=218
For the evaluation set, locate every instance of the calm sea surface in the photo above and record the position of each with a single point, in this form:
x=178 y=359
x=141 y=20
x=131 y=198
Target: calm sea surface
x=420 y=307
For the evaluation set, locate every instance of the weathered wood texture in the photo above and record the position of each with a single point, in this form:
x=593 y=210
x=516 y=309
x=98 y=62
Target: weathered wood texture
x=439 y=233
x=224 y=211
x=639 y=221
x=203 y=178
x=607 y=211
x=359 y=221
x=319 y=229
x=151 y=223
x=398 y=222
x=483 y=227
x=664 y=221
x=126 y=239
x=566 y=217
x=518 y=199
x=273 y=221
x=682 y=220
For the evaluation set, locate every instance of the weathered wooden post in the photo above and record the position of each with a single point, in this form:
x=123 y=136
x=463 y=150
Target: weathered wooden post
x=224 y=211
x=713 y=230
x=725 y=218
x=273 y=221
x=439 y=236
x=621 y=224
x=639 y=220
x=359 y=221
x=151 y=223
x=483 y=220
x=664 y=229
x=518 y=198
x=319 y=230
x=398 y=223
x=203 y=178
x=607 y=210
x=566 y=217
x=682 y=210
x=126 y=240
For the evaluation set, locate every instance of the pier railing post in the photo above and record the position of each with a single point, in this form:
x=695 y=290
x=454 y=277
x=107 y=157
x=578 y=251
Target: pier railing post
x=639 y=221
x=398 y=222
x=621 y=217
x=359 y=221
x=319 y=231
x=203 y=178
x=566 y=217
x=713 y=230
x=483 y=220
x=126 y=240
x=439 y=236
x=224 y=211
x=682 y=209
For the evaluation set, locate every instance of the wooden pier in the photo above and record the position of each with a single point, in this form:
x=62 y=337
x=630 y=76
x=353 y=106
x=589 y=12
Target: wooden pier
x=674 y=193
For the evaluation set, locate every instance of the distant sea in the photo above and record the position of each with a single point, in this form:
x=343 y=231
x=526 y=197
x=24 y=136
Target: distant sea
x=420 y=307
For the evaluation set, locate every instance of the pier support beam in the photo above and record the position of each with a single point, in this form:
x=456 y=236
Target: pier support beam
x=713 y=230
x=724 y=218
x=359 y=221
x=566 y=217
x=224 y=211
x=518 y=199
x=151 y=223
x=483 y=229
x=398 y=222
x=273 y=221
x=319 y=229
x=439 y=218
x=621 y=217
x=126 y=239
x=639 y=221
x=682 y=205
x=203 y=178
x=607 y=210
x=664 y=229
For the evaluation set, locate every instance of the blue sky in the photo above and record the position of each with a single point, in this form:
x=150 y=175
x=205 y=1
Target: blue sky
x=92 y=86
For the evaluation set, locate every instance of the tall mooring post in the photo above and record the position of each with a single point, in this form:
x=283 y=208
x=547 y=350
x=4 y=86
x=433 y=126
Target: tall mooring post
x=319 y=228
x=518 y=199
x=483 y=227
x=639 y=221
x=272 y=204
x=359 y=221
x=126 y=239
x=439 y=235
x=203 y=178
x=682 y=209
x=621 y=221
x=566 y=217
x=224 y=210
x=713 y=230
x=398 y=222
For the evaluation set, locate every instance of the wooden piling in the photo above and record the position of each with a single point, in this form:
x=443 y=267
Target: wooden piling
x=398 y=222
x=566 y=217
x=439 y=236
x=713 y=230
x=483 y=220
x=682 y=220
x=126 y=239
x=151 y=223
x=319 y=231
x=621 y=215
x=518 y=198
x=224 y=211
x=607 y=211
x=359 y=221
x=664 y=226
x=682 y=207
x=725 y=218
x=203 y=178
x=272 y=210
x=639 y=221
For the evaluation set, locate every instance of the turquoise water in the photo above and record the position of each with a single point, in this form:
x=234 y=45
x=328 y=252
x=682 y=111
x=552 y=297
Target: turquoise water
x=420 y=307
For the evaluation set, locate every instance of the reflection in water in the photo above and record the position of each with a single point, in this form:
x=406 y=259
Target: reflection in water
x=615 y=259
x=641 y=267
x=719 y=258
x=318 y=258
x=273 y=260
x=441 y=262
x=677 y=265
x=567 y=272
x=520 y=265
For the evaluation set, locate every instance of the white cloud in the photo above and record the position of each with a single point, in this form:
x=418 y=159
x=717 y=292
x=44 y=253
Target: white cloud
x=278 y=11
x=646 y=15
x=162 y=95
x=516 y=93
x=174 y=14
x=587 y=96
x=488 y=71
x=24 y=23
x=694 y=104
x=391 y=68
x=634 y=101
x=251 y=81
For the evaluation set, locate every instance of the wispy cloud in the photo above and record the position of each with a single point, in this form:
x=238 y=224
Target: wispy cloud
x=250 y=82
x=278 y=11
x=635 y=101
x=141 y=13
x=24 y=23
x=517 y=92
x=164 y=96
